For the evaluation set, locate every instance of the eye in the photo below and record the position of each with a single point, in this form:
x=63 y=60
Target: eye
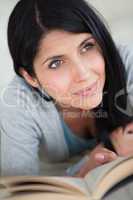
x=130 y=132
x=55 y=64
x=87 y=46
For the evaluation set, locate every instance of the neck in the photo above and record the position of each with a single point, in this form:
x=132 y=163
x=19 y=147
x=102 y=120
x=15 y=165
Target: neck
x=79 y=119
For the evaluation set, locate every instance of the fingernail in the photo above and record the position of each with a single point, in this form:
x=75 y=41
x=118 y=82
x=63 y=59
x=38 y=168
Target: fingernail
x=114 y=154
x=99 y=156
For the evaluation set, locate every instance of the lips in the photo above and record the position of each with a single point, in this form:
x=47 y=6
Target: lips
x=87 y=90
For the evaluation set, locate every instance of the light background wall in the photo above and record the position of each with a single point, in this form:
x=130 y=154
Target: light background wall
x=118 y=14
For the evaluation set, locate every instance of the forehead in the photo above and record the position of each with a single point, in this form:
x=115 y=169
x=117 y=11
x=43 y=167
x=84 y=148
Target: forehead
x=59 y=40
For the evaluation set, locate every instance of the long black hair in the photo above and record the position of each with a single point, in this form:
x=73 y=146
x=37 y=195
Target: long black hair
x=31 y=20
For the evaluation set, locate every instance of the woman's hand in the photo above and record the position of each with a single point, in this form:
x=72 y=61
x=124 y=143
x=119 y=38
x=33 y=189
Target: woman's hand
x=97 y=157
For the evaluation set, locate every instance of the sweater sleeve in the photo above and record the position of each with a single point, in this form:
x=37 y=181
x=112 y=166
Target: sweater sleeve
x=19 y=143
x=126 y=53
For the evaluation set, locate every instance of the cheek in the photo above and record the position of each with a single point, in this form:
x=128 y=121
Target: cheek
x=100 y=66
x=97 y=63
x=125 y=149
x=123 y=144
x=58 y=84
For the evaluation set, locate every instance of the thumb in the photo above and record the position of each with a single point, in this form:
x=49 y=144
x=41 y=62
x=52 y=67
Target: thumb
x=105 y=157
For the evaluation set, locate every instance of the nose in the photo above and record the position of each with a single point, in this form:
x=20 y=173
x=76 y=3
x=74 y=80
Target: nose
x=80 y=71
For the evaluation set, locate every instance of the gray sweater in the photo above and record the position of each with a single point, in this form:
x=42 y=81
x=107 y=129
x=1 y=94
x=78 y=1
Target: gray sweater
x=28 y=123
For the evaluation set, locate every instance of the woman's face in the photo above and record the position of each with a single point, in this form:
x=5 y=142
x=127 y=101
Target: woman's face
x=71 y=69
x=122 y=139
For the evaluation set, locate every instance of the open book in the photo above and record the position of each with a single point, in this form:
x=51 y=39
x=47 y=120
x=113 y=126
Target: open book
x=92 y=187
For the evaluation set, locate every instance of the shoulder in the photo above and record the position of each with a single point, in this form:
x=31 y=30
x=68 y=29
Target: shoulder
x=18 y=95
x=26 y=116
x=126 y=53
x=20 y=108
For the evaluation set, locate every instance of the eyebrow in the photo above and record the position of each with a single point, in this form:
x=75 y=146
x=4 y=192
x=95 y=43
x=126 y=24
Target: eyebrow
x=60 y=56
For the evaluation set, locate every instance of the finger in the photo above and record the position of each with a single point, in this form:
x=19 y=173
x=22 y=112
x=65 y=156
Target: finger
x=99 y=159
x=86 y=168
x=105 y=157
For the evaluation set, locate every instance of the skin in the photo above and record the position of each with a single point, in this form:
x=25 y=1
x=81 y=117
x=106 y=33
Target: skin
x=78 y=66
x=122 y=139
x=98 y=156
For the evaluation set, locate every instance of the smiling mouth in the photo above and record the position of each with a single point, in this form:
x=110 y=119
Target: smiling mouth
x=90 y=90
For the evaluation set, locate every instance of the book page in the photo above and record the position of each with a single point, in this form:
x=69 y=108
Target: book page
x=18 y=190
x=41 y=183
x=115 y=176
x=102 y=178
x=47 y=196
x=38 y=188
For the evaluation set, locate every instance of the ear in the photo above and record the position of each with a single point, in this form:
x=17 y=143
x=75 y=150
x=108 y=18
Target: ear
x=29 y=79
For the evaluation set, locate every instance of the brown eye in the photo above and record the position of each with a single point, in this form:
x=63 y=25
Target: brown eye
x=130 y=132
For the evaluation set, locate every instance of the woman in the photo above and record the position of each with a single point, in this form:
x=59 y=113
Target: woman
x=67 y=70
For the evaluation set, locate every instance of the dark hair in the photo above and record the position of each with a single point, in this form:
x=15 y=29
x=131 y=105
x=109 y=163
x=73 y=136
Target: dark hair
x=31 y=20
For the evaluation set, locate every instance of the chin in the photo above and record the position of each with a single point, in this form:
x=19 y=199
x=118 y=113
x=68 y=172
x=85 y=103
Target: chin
x=89 y=104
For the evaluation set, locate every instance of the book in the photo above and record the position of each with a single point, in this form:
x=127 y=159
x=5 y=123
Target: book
x=92 y=187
